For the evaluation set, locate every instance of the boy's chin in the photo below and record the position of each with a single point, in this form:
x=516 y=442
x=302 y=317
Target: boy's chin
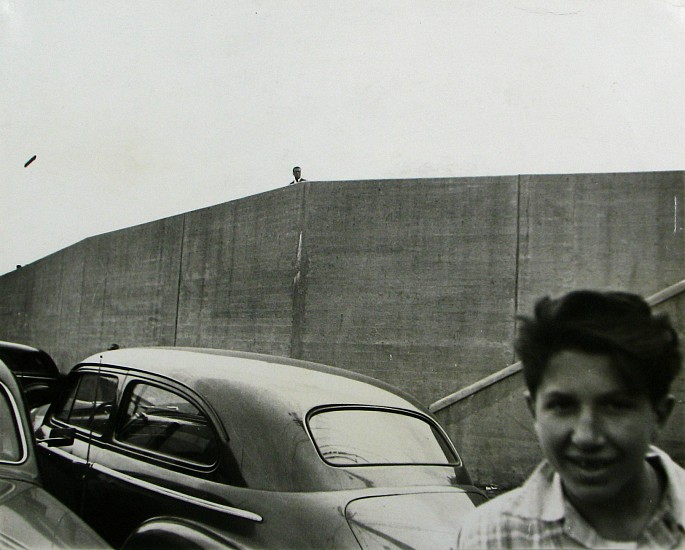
x=593 y=491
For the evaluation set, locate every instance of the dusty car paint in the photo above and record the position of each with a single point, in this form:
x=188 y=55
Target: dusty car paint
x=262 y=482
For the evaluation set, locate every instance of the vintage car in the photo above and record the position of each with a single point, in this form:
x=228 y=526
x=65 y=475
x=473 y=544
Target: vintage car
x=35 y=371
x=183 y=447
x=30 y=517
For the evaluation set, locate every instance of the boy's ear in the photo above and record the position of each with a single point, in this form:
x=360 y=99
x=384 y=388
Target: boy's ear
x=663 y=410
x=530 y=401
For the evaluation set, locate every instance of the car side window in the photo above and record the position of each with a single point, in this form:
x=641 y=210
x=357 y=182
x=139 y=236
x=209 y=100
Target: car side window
x=164 y=422
x=90 y=402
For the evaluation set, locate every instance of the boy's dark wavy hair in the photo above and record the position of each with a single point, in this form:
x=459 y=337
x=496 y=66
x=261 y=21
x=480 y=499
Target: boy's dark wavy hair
x=643 y=346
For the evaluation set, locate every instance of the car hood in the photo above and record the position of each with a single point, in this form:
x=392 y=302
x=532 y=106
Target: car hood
x=427 y=520
x=32 y=518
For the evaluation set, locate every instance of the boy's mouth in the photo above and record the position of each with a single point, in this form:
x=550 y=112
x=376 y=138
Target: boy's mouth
x=590 y=466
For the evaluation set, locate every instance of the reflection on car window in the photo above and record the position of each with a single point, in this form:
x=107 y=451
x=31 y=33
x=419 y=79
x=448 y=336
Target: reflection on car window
x=11 y=449
x=164 y=422
x=90 y=402
x=363 y=437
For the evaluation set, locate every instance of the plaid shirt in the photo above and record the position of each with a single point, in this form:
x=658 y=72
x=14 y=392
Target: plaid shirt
x=537 y=515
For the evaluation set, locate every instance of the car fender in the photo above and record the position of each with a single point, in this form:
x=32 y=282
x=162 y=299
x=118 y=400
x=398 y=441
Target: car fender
x=174 y=533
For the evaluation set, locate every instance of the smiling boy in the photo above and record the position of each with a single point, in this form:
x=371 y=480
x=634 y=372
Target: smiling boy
x=598 y=368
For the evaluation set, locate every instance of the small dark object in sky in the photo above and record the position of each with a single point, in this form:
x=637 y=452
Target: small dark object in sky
x=30 y=161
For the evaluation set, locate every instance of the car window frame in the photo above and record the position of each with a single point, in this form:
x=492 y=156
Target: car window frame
x=381 y=408
x=82 y=432
x=150 y=454
x=19 y=425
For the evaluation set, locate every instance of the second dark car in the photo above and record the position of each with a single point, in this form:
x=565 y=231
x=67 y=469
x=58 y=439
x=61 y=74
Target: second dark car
x=35 y=370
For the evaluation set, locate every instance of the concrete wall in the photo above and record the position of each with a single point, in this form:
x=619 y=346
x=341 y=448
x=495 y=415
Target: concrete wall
x=119 y=287
x=416 y=282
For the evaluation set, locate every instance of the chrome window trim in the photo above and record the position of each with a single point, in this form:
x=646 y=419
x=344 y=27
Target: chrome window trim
x=20 y=427
x=151 y=454
x=159 y=459
x=22 y=376
x=383 y=408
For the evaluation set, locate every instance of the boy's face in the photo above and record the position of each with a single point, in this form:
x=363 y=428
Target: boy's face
x=591 y=429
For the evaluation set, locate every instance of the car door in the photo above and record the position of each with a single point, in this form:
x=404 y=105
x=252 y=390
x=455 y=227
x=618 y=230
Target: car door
x=87 y=405
x=162 y=458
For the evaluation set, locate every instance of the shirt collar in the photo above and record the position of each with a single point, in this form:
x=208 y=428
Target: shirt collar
x=542 y=496
x=675 y=479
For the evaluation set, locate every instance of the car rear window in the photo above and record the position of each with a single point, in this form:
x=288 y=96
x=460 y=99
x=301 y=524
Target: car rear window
x=164 y=422
x=369 y=436
x=11 y=443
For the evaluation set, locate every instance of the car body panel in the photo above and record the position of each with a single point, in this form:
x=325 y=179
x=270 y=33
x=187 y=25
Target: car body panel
x=33 y=518
x=264 y=484
x=391 y=521
x=173 y=533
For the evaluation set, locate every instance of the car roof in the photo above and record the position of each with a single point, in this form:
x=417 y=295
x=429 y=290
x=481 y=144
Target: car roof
x=266 y=395
x=16 y=346
x=265 y=377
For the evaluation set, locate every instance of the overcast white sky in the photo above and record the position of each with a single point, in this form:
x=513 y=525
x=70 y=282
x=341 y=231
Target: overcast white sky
x=138 y=110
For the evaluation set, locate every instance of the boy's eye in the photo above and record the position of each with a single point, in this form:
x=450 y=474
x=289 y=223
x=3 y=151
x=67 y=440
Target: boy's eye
x=619 y=404
x=560 y=404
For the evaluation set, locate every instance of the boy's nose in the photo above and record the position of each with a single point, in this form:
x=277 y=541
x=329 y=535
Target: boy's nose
x=587 y=430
